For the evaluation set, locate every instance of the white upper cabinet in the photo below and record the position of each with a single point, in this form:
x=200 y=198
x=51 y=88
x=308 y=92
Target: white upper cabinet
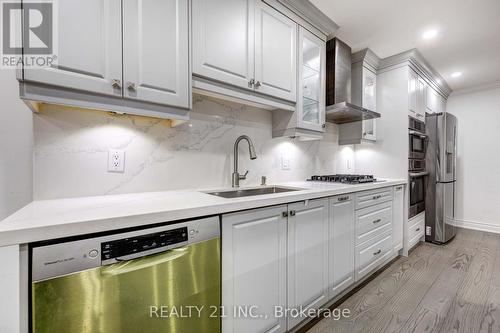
x=307 y=256
x=155 y=51
x=369 y=90
x=127 y=56
x=245 y=43
x=434 y=103
x=417 y=96
x=442 y=104
x=89 y=54
x=421 y=99
x=223 y=41
x=275 y=53
x=412 y=93
x=312 y=91
x=254 y=268
x=341 y=244
x=369 y=101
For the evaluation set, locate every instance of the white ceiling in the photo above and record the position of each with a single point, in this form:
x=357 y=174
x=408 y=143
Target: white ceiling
x=468 y=40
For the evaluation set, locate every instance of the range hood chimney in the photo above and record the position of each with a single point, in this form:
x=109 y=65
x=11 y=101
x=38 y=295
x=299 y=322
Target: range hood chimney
x=339 y=109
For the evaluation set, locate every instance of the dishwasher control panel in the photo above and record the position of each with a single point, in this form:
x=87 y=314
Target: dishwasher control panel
x=138 y=244
x=67 y=256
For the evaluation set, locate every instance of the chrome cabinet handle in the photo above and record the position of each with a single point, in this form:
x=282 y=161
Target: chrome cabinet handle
x=375 y=197
x=418 y=229
x=131 y=86
x=377 y=221
x=324 y=125
x=284 y=214
x=343 y=198
x=257 y=84
x=116 y=83
x=251 y=82
x=377 y=253
x=399 y=188
x=292 y=213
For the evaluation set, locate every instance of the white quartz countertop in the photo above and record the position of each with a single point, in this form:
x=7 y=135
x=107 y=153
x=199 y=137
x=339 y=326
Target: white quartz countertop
x=51 y=219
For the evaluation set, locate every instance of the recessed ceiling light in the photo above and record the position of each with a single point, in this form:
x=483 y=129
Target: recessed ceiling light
x=429 y=34
x=456 y=74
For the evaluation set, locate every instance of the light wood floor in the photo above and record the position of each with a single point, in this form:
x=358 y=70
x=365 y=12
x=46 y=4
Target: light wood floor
x=451 y=288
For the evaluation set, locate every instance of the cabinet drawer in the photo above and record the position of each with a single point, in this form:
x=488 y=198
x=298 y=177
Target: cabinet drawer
x=373 y=221
x=371 y=255
x=416 y=230
x=371 y=198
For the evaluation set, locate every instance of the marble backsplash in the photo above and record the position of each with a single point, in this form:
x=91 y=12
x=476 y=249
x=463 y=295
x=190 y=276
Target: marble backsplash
x=71 y=151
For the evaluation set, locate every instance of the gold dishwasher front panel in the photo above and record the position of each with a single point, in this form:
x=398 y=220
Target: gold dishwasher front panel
x=177 y=291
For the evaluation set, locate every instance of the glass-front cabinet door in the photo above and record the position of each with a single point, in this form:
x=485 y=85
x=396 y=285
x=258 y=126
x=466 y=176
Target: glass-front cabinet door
x=311 y=99
x=369 y=102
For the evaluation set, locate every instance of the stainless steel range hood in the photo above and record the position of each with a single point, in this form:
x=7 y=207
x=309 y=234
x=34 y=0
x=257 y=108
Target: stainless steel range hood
x=343 y=113
x=339 y=108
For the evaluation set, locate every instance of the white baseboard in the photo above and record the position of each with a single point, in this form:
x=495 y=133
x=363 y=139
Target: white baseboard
x=481 y=226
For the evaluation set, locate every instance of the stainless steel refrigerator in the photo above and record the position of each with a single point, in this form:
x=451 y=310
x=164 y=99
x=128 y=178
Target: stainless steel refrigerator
x=441 y=161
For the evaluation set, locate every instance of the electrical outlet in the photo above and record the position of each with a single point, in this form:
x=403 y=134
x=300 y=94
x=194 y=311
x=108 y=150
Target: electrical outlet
x=116 y=160
x=428 y=231
x=285 y=163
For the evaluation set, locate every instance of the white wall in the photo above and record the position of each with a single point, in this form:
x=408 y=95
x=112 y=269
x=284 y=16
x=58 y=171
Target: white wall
x=16 y=188
x=16 y=147
x=478 y=166
x=388 y=156
x=71 y=151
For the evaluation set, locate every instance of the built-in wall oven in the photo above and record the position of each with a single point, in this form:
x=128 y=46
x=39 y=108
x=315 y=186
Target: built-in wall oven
x=129 y=281
x=417 y=193
x=416 y=166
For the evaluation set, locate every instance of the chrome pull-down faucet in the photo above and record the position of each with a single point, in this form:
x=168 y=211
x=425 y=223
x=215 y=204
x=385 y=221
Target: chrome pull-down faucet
x=236 y=176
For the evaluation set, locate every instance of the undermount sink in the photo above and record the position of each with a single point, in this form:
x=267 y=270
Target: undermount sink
x=252 y=191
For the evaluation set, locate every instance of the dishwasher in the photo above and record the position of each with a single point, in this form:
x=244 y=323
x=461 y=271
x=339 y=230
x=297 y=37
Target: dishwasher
x=162 y=279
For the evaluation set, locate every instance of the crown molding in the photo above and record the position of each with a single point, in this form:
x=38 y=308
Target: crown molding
x=417 y=61
x=368 y=58
x=307 y=11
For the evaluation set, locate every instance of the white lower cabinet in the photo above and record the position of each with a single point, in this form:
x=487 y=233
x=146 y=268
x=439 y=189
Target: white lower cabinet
x=281 y=260
x=307 y=257
x=398 y=217
x=10 y=289
x=372 y=254
x=341 y=244
x=416 y=230
x=374 y=239
x=254 y=269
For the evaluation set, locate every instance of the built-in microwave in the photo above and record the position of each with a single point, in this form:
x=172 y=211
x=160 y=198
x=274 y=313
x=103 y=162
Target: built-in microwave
x=417 y=139
x=416 y=165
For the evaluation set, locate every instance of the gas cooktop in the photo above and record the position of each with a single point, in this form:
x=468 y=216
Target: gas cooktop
x=345 y=179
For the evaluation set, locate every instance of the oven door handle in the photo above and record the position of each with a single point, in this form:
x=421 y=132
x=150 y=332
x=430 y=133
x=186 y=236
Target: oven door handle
x=422 y=135
x=418 y=174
